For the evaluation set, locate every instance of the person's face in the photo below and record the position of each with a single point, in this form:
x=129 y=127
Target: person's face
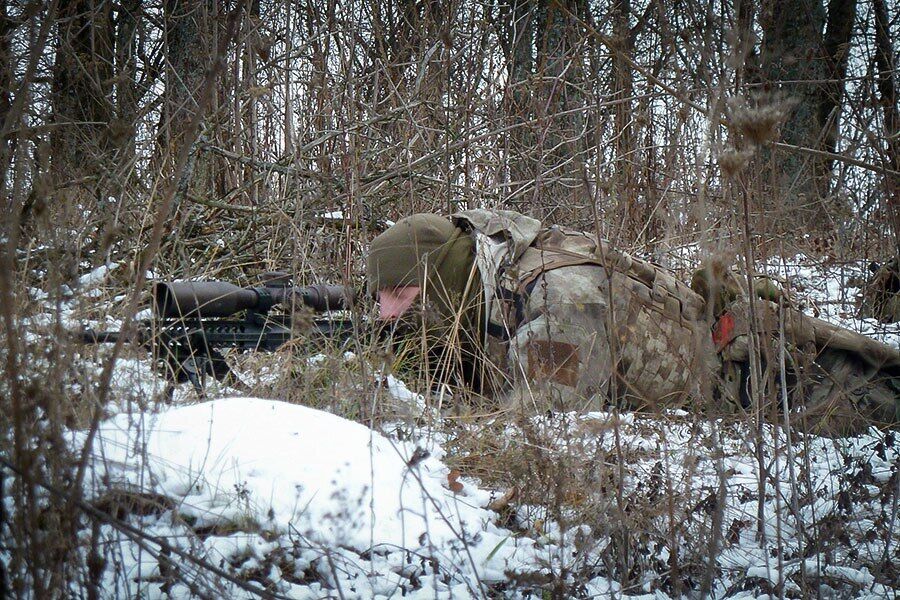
x=394 y=302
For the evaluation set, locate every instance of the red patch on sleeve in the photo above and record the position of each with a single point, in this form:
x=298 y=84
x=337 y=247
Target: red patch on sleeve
x=723 y=331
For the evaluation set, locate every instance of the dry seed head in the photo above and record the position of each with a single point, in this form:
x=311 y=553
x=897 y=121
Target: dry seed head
x=734 y=161
x=758 y=121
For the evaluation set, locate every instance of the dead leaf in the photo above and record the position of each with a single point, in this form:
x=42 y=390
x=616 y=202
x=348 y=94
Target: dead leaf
x=503 y=502
x=453 y=481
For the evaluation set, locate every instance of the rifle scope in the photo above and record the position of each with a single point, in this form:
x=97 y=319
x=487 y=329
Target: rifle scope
x=214 y=299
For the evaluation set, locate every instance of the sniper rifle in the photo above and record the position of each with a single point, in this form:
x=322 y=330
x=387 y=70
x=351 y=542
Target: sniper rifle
x=194 y=321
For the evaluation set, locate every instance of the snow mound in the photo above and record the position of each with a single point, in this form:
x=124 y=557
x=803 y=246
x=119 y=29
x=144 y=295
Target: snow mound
x=284 y=465
x=257 y=478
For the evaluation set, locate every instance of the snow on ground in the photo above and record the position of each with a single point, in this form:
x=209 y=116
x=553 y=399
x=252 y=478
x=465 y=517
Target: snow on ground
x=313 y=505
x=833 y=290
x=306 y=504
x=321 y=487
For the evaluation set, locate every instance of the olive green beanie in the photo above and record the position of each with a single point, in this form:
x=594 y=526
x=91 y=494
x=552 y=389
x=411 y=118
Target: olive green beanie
x=425 y=250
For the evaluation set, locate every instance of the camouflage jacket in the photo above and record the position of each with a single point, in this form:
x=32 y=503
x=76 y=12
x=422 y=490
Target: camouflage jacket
x=837 y=381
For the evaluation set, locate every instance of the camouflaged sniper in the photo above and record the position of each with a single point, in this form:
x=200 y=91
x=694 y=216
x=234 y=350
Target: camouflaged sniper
x=431 y=253
x=577 y=323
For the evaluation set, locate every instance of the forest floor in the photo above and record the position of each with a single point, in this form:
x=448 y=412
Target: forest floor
x=260 y=496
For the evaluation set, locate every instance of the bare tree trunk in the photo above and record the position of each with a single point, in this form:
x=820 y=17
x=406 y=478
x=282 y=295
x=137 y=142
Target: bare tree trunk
x=516 y=23
x=560 y=75
x=189 y=25
x=124 y=126
x=793 y=64
x=249 y=91
x=82 y=74
x=6 y=76
x=322 y=117
x=887 y=89
x=288 y=102
x=745 y=44
x=626 y=154
x=187 y=54
x=841 y=16
x=807 y=62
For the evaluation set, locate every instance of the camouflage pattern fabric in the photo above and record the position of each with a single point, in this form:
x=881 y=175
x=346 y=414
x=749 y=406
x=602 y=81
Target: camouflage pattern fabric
x=589 y=324
x=578 y=324
x=589 y=337
x=841 y=382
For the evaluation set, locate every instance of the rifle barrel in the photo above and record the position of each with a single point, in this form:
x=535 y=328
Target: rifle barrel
x=202 y=299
